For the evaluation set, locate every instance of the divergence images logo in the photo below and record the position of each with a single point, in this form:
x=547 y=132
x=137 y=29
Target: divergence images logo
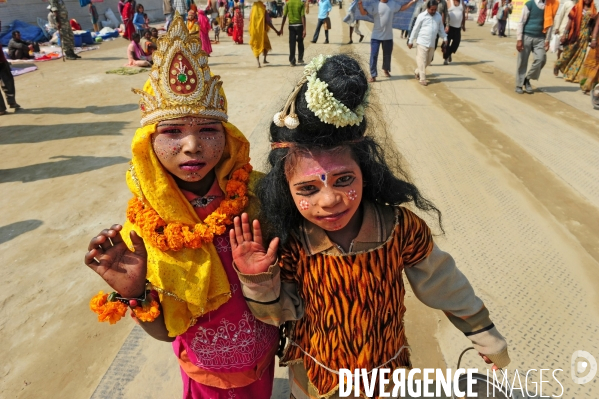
x=579 y=366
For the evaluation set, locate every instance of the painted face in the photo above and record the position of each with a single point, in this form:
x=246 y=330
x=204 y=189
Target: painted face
x=189 y=148
x=327 y=188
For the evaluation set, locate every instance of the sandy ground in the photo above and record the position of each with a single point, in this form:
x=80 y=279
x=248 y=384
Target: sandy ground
x=515 y=177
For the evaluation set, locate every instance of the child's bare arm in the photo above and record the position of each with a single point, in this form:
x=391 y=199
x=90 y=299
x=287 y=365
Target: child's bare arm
x=124 y=270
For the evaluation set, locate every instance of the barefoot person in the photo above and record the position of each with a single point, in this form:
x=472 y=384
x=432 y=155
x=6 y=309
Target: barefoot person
x=171 y=261
x=260 y=23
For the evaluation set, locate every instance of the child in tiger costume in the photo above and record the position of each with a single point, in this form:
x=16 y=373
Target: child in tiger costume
x=333 y=200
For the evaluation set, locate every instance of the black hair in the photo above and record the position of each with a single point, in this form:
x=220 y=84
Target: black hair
x=15 y=33
x=135 y=35
x=385 y=181
x=432 y=3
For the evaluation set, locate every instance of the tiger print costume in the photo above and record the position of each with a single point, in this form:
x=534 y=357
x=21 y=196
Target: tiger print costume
x=354 y=303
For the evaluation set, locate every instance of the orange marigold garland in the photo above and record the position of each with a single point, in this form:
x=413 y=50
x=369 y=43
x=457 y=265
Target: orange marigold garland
x=175 y=236
x=111 y=308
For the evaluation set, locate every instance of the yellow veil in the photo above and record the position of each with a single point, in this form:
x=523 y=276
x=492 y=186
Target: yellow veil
x=190 y=282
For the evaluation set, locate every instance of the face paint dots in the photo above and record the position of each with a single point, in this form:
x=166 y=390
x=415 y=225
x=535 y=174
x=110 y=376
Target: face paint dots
x=304 y=205
x=352 y=195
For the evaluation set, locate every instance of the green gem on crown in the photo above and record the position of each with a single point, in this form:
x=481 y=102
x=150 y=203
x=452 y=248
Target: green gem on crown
x=182 y=78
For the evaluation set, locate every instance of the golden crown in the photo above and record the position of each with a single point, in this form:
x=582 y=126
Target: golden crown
x=181 y=80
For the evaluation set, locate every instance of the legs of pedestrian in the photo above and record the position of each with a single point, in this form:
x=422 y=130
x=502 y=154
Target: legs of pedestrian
x=387 y=50
x=7 y=83
x=494 y=27
x=300 y=44
x=351 y=32
x=292 y=40
x=326 y=35
x=502 y=24
x=424 y=56
x=454 y=36
x=374 y=57
x=523 y=62
x=317 y=31
x=357 y=30
x=538 y=62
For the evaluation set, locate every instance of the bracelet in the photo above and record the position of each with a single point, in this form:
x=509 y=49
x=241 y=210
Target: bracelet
x=112 y=307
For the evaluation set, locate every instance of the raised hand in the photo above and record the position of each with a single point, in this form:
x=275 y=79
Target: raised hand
x=249 y=254
x=123 y=270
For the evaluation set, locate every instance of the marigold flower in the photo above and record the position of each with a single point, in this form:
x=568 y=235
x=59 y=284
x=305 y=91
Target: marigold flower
x=113 y=312
x=147 y=313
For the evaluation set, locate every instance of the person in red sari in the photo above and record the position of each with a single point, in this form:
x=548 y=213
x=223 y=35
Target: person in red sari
x=482 y=14
x=238 y=27
x=127 y=15
x=204 y=24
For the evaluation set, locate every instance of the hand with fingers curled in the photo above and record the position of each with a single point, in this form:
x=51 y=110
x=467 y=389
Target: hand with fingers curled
x=124 y=270
x=488 y=361
x=249 y=253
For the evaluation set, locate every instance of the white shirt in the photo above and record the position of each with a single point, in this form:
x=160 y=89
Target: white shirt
x=561 y=20
x=383 y=18
x=426 y=29
x=456 y=14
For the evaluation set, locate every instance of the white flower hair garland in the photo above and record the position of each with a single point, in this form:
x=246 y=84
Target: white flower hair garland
x=320 y=101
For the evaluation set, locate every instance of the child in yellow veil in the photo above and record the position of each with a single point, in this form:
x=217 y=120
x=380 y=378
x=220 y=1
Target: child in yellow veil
x=171 y=261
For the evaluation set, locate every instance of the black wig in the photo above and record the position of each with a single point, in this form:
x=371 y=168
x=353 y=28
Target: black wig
x=385 y=181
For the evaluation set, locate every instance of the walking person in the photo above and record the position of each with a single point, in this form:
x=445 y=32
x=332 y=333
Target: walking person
x=7 y=82
x=67 y=39
x=494 y=11
x=533 y=37
x=260 y=23
x=575 y=39
x=382 y=32
x=561 y=21
x=589 y=74
x=168 y=11
x=457 y=24
x=482 y=13
x=296 y=12
x=128 y=14
x=324 y=7
x=93 y=12
x=428 y=25
x=502 y=15
x=354 y=24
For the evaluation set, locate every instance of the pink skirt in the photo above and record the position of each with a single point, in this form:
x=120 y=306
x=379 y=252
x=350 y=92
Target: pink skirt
x=260 y=389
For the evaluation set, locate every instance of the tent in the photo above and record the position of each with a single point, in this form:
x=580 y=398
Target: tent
x=31 y=33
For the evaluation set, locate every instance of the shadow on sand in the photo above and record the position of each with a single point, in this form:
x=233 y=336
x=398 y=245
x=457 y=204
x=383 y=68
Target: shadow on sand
x=68 y=165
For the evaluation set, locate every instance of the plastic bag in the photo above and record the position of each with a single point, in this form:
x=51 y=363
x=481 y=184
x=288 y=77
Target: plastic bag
x=554 y=43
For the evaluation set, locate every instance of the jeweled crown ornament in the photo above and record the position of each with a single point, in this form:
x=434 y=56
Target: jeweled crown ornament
x=181 y=80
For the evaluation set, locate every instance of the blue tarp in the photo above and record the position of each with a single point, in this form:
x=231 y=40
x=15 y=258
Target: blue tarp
x=401 y=20
x=31 y=33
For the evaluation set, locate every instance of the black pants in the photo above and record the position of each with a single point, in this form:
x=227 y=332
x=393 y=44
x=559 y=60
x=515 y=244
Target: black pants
x=296 y=35
x=453 y=41
x=8 y=86
x=502 y=24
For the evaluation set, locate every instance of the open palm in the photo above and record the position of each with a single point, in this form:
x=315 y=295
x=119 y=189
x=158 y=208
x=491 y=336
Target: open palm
x=249 y=253
x=122 y=269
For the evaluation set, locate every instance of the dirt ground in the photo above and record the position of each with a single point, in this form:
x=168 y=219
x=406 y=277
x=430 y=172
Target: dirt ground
x=514 y=175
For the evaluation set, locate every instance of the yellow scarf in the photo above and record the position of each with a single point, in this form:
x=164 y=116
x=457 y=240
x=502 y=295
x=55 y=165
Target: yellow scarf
x=191 y=282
